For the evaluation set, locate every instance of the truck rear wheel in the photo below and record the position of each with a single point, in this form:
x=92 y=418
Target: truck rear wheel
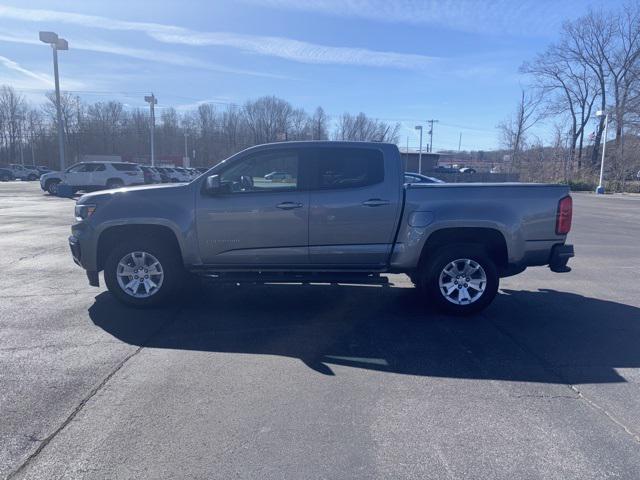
x=461 y=279
x=142 y=273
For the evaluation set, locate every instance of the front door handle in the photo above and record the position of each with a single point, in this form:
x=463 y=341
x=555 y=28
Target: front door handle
x=375 y=202
x=288 y=205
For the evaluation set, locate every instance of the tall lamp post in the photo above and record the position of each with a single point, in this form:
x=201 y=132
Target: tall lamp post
x=186 y=162
x=57 y=44
x=602 y=113
x=419 y=127
x=152 y=101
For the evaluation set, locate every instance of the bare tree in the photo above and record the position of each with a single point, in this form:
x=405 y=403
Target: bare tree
x=362 y=128
x=514 y=129
x=569 y=88
x=13 y=108
x=268 y=119
x=319 y=125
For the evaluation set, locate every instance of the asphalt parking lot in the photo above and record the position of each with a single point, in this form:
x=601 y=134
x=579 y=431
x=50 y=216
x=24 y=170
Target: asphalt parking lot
x=318 y=381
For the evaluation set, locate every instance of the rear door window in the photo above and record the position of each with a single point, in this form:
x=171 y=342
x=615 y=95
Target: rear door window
x=339 y=168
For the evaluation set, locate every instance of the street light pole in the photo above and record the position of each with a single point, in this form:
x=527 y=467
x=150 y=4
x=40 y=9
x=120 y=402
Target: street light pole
x=600 y=113
x=186 y=152
x=152 y=100
x=419 y=127
x=57 y=44
x=54 y=47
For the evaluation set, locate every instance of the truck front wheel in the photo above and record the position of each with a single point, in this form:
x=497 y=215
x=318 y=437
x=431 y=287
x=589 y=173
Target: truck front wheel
x=143 y=273
x=460 y=279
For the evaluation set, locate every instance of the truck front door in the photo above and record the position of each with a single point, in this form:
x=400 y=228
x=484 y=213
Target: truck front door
x=258 y=219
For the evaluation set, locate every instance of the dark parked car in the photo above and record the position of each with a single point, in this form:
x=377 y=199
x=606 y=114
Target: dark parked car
x=412 y=177
x=40 y=168
x=6 y=175
x=467 y=170
x=151 y=174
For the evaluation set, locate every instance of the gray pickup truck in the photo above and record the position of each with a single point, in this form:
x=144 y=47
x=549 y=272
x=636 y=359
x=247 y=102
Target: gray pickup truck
x=326 y=212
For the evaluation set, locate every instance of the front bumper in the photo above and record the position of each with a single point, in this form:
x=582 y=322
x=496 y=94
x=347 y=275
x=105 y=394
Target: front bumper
x=77 y=252
x=560 y=255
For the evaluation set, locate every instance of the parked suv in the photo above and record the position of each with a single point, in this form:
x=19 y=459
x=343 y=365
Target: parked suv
x=22 y=172
x=94 y=176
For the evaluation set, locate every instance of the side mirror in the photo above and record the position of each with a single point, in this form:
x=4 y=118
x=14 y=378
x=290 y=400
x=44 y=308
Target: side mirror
x=213 y=185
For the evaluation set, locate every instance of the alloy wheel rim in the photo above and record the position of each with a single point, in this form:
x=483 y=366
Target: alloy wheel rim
x=140 y=274
x=462 y=281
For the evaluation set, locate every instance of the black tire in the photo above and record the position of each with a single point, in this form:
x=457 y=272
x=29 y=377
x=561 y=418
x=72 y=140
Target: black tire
x=430 y=277
x=52 y=186
x=32 y=177
x=114 y=183
x=171 y=265
x=5 y=177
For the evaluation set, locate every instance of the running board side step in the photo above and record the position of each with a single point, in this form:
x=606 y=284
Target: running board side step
x=295 y=277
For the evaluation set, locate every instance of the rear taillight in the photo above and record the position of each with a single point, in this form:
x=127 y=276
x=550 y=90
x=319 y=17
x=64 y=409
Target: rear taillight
x=563 y=217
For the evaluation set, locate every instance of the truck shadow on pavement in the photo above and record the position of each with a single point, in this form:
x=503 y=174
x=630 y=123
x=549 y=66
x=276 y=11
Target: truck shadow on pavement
x=534 y=336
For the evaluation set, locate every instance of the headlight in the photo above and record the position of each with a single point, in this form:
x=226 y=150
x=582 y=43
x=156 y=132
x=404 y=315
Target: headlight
x=84 y=211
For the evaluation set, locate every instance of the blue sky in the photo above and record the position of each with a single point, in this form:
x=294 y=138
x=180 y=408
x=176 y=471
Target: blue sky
x=406 y=61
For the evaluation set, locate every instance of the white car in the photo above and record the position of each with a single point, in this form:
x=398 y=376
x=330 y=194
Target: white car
x=22 y=172
x=93 y=176
x=278 y=177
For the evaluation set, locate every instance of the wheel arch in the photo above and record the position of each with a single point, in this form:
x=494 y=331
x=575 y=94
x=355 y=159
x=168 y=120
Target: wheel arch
x=491 y=239
x=114 y=179
x=111 y=235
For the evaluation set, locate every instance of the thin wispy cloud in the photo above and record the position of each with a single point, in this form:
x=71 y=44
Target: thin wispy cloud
x=285 y=48
x=45 y=80
x=539 y=18
x=299 y=51
x=137 y=53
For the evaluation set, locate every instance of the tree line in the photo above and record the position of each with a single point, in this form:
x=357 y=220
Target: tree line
x=593 y=66
x=28 y=134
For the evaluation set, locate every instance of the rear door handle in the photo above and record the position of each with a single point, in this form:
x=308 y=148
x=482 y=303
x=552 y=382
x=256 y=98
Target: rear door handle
x=288 y=205
x=375 y=202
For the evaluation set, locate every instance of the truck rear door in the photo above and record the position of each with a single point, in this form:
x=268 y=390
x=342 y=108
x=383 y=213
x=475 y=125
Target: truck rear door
x=354 y=205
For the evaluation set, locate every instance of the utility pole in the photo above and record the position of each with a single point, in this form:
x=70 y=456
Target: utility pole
x=431 y=122
x=419 y=127
x=152 y=101
x=459 y=141
x=407 y=155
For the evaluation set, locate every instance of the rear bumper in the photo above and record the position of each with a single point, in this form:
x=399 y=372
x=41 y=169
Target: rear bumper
x=560 y=255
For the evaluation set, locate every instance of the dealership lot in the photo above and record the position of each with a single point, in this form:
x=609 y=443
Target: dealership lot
x=288 y=381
